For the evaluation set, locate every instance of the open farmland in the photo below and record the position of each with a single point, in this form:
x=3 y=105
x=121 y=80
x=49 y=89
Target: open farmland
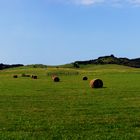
x=70 y=109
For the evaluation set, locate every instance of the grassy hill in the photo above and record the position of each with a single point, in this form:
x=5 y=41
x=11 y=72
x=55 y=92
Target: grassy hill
x=111 y=60
x=70 y=109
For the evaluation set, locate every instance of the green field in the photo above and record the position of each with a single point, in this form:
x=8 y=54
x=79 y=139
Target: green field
x=70 y=110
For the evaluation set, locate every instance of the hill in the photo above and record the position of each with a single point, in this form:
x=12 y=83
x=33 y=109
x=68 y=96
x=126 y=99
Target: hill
x=5 y=66
x=111 y=60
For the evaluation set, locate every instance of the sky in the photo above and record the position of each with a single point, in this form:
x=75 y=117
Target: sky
x=55 y=32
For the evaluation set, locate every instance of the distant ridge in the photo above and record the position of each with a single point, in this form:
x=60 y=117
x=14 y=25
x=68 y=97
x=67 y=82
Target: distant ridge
x=5 y=66
x=111 y=59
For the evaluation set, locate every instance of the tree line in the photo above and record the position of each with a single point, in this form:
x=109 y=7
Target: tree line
x=5 y=66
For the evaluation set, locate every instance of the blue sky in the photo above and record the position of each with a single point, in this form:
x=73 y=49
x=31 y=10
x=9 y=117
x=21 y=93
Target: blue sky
x=56 y=32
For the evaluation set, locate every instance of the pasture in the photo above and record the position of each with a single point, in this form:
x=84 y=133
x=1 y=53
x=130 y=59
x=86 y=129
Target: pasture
x=40 y=109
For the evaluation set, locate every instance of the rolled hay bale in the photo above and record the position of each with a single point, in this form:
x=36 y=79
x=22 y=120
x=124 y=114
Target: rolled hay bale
x=34 y=77
x=15 y=76
x=96 y=83
x=85 y=78
x=55 y=78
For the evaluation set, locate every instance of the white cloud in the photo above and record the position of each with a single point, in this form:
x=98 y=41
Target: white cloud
x=99 y=2
x=89 y=2
x=107 y=2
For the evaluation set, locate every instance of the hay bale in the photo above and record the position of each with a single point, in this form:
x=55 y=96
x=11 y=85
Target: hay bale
x=55 y=78
x=15 y=76
x=85 y=78
x=96 y=83
x=34 y=77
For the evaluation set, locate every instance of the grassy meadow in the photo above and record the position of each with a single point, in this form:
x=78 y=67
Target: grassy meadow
x=40 y=109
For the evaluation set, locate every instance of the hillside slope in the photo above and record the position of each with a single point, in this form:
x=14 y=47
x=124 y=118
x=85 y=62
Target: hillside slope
x=112 y=60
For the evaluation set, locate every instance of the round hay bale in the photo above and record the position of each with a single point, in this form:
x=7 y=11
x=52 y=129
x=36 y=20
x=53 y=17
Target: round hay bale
x=34 y=76
x=15 y=76
x=96 y=83
x=55 y=78
x=85 y=78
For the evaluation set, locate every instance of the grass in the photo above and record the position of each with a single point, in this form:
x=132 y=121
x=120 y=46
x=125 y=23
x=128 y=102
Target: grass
x=70 y=110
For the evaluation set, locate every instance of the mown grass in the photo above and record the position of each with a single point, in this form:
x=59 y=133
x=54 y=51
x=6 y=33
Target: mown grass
x=70 y=109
